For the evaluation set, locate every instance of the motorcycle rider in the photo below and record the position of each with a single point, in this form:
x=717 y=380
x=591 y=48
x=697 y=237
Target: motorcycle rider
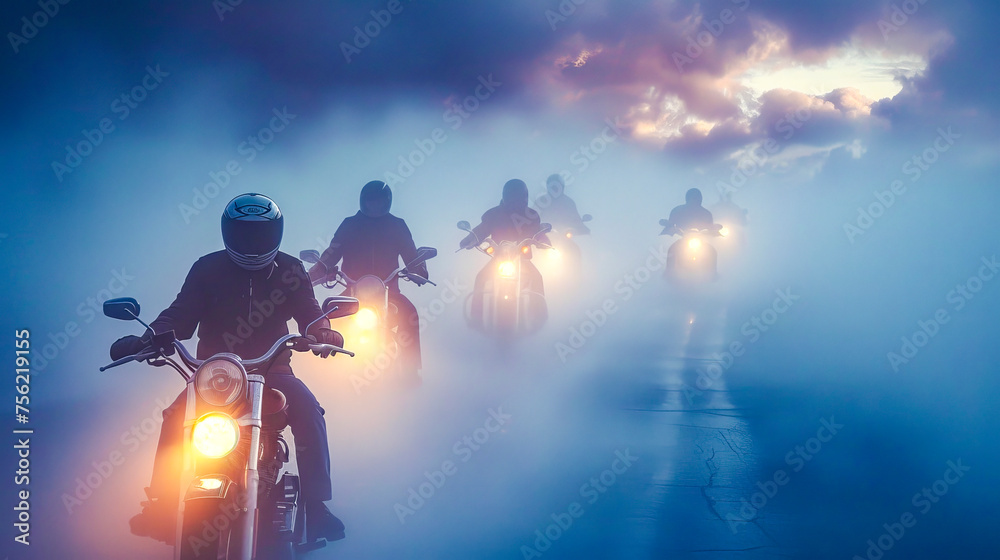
x=511 y=220
x=250 y=282
x=691 y=214
x=729 y=211
x=372 y=242
x=558 y=209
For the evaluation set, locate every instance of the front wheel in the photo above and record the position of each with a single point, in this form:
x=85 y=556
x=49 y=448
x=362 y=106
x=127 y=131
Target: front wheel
x=207 y=529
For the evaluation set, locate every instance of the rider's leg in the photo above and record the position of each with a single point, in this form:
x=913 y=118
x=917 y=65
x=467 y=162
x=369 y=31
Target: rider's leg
x=312 y=452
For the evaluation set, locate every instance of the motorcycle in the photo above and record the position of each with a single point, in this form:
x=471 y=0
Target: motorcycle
x=565 y=259
x=374 y=325
x=691 y=259
x=235 y=499
x=507 y=307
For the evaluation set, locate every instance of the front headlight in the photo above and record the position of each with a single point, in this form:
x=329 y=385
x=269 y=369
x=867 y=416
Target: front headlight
x=215 y=435
x=220 y=382
x=366 y=319
x=554 y=254
x=694 y=243
x=506 y=269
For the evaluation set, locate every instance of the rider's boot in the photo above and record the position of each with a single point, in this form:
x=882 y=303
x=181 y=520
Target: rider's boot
x=321 y=524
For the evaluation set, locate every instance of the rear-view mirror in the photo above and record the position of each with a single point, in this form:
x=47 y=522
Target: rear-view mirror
x=425 y=253
x=336 y=307
x=465 y=226
x=310 y=256
x=124 y=308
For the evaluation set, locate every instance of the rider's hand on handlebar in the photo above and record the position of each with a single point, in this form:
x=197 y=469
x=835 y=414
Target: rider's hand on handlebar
x=326 y=336
x=320 y=271
x=128 y=346
x=413 y=277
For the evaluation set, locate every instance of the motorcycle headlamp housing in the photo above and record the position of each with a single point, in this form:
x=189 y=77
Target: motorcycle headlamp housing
x=220 y=381
x=694 y=243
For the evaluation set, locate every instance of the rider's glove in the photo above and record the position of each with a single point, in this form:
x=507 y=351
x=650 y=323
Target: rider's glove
x=129 y=345
x=414 y=277
x=324 y=335
x=329 y=336
x=322 y=271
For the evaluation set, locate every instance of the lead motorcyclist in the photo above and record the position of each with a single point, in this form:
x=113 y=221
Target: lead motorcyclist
x=691 y=214
x=511 y=220
x=224 y=295
x=558 y=209
x=371 y=242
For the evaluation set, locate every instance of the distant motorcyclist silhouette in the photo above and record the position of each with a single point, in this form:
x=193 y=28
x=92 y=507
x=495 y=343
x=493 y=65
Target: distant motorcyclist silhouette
x=558 y=209
x=240 y=301
x=511 y=220
x=691 y=214
x=371 y=242
x=728 y=211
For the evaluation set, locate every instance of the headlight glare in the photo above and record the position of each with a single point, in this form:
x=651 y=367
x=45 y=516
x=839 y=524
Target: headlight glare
x=506 y=269
x=215 y=435
x=366 y=319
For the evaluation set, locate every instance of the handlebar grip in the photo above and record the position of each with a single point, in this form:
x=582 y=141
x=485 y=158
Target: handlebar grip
x=328 y=349
x=127 y=359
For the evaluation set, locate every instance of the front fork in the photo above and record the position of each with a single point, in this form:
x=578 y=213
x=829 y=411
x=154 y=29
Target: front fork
x=248 y=522
x=245 y=528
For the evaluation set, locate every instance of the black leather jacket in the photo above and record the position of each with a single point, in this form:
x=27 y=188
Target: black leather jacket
x=240 y=311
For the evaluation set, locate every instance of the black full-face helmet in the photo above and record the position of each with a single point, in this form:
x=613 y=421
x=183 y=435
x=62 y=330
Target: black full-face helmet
x=515 y=194
x=376 y=199
x=693 y=196
x=252 y=226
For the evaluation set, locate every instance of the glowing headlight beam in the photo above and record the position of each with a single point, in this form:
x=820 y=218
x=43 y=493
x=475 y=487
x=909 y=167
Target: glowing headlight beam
x=506 y=269
x=366 y=319
x=215 y=435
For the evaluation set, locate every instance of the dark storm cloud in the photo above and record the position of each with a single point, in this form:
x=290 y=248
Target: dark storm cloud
x=818 y=25
x=257 y=54
x=295 y=48
x=961 y=80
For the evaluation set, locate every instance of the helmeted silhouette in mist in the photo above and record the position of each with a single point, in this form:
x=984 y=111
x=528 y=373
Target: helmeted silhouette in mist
x=511 y=220
x=691 y=214
x=558 y=209
x=372 y=241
